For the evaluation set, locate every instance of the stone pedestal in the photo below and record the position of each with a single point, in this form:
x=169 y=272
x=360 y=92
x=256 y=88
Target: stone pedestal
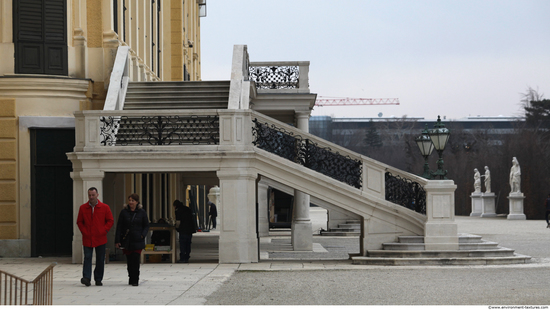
x=488 y=205
x=516 y=207
x=477 y=204
x=440 y=230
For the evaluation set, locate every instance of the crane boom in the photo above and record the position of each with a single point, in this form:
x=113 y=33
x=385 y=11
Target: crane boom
x=335 y=101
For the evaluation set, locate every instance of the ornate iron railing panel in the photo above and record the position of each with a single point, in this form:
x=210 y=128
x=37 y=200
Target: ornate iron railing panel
x=332 y=164
x=275 y=77
x=406 y=193
x=159 y=130
x=307 y=153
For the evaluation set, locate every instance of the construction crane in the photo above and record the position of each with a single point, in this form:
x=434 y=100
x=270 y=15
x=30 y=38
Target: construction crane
x=339 y=101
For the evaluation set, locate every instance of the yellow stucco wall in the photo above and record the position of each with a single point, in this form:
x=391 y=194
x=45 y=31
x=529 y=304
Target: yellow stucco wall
x=94 y=22
x=8 y=170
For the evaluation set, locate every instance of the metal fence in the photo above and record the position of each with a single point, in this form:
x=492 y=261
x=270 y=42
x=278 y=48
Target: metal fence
x=17 y=291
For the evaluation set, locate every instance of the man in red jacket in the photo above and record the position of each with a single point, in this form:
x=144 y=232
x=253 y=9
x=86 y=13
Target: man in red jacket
x=94 y=221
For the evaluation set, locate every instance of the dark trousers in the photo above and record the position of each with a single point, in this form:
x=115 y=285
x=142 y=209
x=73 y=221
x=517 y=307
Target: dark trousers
x=132 y=261
x=546 y=217
x=185 y=246
x=99 y=263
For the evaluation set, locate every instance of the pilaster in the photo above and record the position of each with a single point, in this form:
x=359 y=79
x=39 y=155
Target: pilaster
x=440 y=229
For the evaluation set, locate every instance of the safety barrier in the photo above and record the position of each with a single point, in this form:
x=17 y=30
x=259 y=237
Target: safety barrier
x=15 y=290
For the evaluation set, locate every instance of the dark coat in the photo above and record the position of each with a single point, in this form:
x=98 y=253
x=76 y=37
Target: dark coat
x=94 y=227
x=213 y=210
x=187 y=222
x=139 y=227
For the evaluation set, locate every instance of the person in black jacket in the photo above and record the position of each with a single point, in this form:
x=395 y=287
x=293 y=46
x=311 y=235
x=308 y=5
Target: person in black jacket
x=131 y=229
x=186 y=229
x=213 y=213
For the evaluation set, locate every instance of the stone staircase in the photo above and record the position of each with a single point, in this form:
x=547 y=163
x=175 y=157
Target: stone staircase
x=472 y=251
x=350 y=228
x=177 y=95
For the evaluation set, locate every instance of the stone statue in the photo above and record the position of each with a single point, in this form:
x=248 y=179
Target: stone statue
x=487 y=177
x=515 y=177
x=477 y=181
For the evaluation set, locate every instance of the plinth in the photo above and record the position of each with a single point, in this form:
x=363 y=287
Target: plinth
x=477 y=204
x=516 y=207
x=488 y=205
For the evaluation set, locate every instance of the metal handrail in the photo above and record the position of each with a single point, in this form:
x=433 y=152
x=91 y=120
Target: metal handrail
x=14 y=290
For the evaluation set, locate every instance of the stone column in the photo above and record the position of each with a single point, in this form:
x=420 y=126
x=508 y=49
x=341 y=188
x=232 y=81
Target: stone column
x=82 y=181
x=238 y=241
x=516 y=207
x=477 y=204
x=488 y=205
x=302 y=232
x=263 y=206
x=440 y=230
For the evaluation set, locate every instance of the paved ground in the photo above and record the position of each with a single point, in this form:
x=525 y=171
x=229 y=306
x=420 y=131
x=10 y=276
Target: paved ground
x=321 y=277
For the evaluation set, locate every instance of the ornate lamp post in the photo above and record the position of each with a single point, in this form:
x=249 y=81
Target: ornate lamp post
x=426 y=148
x=439 y=136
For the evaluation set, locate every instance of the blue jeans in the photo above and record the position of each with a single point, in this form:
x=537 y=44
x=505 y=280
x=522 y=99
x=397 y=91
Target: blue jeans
x=99 y=263
x=185 y=246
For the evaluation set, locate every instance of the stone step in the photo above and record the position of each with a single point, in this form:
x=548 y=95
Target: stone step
x=498 y=252
x=350 y=226
x=340 y=233
x=409 y=246
x=165 y=84
x=175 y=105
x=462 y=238
x=515 y=259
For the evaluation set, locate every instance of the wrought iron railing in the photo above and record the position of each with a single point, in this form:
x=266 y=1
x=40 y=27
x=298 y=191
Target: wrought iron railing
x=159 y=130
x=307 y=153
x=405 y=192
x=16 y=291
x=275 y=77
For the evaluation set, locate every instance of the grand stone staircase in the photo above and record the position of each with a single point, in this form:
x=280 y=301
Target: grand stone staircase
x=410 y=250
x=177 y=95
x=350 y=228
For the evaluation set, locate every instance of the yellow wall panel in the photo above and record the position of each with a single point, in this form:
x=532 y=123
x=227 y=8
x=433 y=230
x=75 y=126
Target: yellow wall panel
x=7 y=171
x=8 y=128
x=95 y=28
x=8 y=231
x=8 y=213
x=7 y=150
x=7 y=191
x=7 y=107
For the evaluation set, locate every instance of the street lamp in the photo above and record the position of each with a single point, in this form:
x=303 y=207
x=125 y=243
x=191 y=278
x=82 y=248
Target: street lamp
x=439 y=136
x=426 y=148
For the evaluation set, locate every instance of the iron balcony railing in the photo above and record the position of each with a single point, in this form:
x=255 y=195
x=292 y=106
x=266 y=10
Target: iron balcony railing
x=17 y=291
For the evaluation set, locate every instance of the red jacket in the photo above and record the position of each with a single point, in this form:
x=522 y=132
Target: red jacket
x=94 y=227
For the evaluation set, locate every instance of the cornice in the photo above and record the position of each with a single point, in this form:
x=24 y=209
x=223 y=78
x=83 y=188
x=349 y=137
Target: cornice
x=43 y=86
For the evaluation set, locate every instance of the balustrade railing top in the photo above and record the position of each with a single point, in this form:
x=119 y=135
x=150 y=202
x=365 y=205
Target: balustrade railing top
x=280 y=75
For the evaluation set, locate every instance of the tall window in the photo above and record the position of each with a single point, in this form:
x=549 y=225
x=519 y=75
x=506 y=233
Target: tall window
x=40 y=36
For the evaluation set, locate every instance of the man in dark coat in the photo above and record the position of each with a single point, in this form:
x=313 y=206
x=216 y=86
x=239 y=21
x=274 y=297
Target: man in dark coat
x=186 y=229
x=213 y=213
x=94 y=221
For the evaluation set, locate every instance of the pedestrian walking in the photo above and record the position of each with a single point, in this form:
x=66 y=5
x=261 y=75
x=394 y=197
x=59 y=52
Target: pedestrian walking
x=94 y=221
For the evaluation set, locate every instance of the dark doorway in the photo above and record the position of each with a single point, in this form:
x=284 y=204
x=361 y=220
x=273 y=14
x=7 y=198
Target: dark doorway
x=52 y=192
x=40 y=36
x=280 y=209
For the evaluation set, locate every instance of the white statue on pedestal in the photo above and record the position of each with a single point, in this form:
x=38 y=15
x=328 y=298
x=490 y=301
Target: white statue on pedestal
x=515 y=177
x=487 y=177
x=477 y=181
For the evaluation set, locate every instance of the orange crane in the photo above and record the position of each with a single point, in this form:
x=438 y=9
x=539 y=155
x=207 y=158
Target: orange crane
x=339 y=101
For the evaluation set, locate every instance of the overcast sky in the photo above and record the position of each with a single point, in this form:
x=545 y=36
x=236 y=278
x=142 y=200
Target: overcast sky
x=455 y=58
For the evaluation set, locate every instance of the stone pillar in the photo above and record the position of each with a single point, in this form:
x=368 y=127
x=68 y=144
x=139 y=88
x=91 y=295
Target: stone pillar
x=302 y=232
x=238 y=240
x=477 y=204
x=263 y=207
x=516 y=207
x=488 y=205
x=440 y=230
x=82 y=181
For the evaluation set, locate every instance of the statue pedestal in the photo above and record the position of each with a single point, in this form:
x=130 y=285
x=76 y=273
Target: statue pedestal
x=488 y=205
x=477 y=204
x=516 y=207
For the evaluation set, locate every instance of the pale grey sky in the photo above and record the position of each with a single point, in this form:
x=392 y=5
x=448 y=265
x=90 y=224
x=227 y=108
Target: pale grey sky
x=450 y=57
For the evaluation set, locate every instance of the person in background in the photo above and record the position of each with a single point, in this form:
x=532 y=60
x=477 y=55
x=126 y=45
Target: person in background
x=186 y=229
x=94 y=221
x=213 y=213
x=131 y=229
x=547 y=204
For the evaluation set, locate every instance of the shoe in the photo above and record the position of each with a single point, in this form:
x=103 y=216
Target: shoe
x=85 y=281
x=135 y=284
x=98 y=283
x=548 y=226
